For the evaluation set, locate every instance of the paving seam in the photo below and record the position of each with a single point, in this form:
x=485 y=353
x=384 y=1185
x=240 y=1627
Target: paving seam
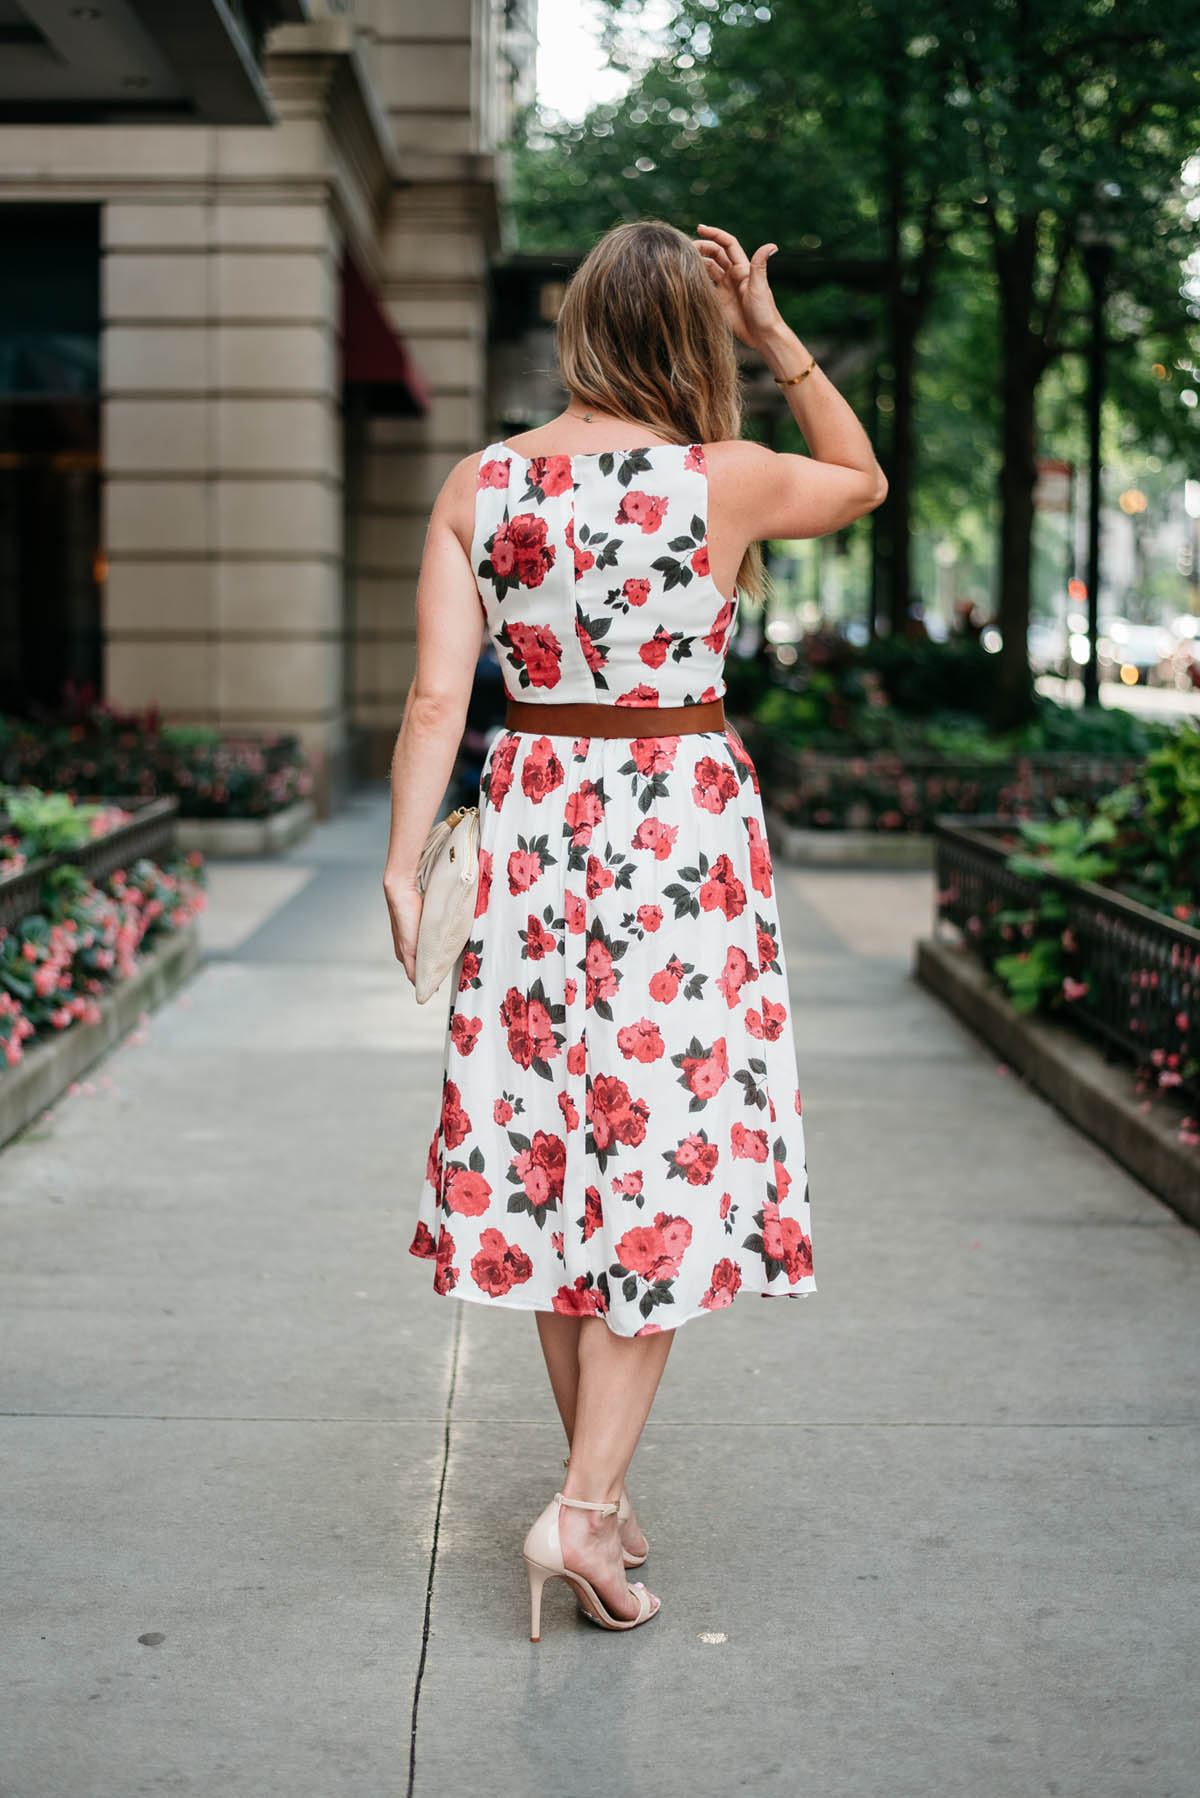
x=433 y=1551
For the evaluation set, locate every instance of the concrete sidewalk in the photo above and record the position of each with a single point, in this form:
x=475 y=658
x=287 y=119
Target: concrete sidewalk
x=931 y=1531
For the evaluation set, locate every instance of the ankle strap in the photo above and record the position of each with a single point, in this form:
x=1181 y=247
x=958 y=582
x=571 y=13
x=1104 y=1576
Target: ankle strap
x=587 y=1504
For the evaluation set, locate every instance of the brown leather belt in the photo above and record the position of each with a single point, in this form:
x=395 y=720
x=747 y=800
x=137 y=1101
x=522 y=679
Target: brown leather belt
x=584 y=718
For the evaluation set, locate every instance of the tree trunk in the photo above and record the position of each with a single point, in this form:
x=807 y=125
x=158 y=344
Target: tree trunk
x=1022 y=369
x=898 y=503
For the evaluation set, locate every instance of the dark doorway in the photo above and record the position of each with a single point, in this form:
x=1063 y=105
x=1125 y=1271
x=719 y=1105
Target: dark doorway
x=51 y=559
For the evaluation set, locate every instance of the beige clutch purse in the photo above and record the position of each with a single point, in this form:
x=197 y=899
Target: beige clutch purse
x=448 y=881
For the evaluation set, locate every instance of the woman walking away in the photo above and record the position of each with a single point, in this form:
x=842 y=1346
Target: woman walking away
x=619 y=1146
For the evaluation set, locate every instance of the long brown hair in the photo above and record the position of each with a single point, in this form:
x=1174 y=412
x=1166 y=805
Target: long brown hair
x=640 y=333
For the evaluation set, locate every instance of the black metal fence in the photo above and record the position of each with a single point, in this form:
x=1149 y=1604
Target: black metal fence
x=151 y=832
x=1142 y=969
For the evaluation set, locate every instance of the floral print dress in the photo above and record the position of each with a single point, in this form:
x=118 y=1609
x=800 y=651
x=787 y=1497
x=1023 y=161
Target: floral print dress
x=619 y=1133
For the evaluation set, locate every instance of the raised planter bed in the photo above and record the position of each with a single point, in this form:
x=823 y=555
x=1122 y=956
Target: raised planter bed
x=1143 y=968
x=230 y=839
x=887 y=795
x=150 y=832
x=50 y=1064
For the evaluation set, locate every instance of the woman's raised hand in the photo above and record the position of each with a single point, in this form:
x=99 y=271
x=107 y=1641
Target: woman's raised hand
x=741 y=282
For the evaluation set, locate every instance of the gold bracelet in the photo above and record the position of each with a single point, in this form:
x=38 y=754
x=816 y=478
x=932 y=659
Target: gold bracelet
x=792 y=379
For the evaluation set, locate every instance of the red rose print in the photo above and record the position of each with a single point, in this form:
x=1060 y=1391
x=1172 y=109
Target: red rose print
x=694 y=459
x=584 y=559
x=783 y=1182
x=636 y=592
x=652 y=833
x=569 y=990
x=485 y=882
x=465 y=1190
x=767 y=949
x=653 y=755
x=583 y=811
x=537 y=651
x=580 y=1300
x=499 y=1265
x=705 y=1075
x=551 y=474
x=541 y=1167
x=456 y=1125
x=760 y=859
x=464 y=1032
x=613 y=1115
x=541 y=771
x=664 y=985
x=641 y=1041
x=539 y=942
x=500 y=769
x=524 y=870
x=714 y=639
x=519 y=551
x=445 y=1277
x=654 y=1251
x=492 y=474
x=649 y=917
x=645 y=509
x=468 y=970
x=598 y=966
x=734 y=975
x=423 y=1243
x=716 y=784
x=502 y=1111
x=726 y=1202
x=597 y=877
x=628 y=1186
x=654 y=653
x=696 y=1158
x=576 y=1058
x=783 y=1240
x=769 y=1025
x=593 y=1212
x=530 y=1030
x=749 y=1145
x=639 y=695
x=700 y=559
x=570 y=1111
x=576 y=913
x=723 y=891
x=726 y=1279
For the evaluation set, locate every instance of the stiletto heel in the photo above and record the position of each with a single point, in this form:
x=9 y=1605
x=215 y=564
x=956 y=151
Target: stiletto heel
x=537 y=1579
x=544 y=1560
x=623 y=1516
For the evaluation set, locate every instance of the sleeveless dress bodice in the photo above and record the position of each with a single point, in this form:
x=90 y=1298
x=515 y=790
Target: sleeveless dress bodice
x=594 y=575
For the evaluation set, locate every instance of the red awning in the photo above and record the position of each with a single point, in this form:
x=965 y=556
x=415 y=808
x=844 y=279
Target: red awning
x=375 y=358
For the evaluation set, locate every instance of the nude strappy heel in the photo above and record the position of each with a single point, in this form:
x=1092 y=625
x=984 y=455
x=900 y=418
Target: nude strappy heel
x=623 y=1515
x=544 y=1560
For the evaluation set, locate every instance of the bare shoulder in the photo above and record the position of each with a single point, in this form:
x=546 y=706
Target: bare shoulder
x=774 y=493
x=454 y=506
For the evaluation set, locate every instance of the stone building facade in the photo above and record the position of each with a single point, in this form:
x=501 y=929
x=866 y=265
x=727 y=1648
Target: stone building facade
x=292 y=353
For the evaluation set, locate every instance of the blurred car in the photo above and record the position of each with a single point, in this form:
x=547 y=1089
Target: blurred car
x=1137 y=655
x=1047 y=646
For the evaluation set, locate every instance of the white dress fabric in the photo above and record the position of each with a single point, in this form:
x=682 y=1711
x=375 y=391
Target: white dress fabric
x=619 y=1133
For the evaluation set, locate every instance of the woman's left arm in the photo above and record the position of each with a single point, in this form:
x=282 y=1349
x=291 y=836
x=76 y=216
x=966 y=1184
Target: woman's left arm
x=451 y=628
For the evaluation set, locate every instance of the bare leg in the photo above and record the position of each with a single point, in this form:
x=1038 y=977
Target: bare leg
x=560 y=1346
x=618 y=1378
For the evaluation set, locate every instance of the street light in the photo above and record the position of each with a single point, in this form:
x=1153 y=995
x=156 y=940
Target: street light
x=1098 y=237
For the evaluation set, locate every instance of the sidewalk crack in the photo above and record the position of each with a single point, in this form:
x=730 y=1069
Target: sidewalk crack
x=433 y=1552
